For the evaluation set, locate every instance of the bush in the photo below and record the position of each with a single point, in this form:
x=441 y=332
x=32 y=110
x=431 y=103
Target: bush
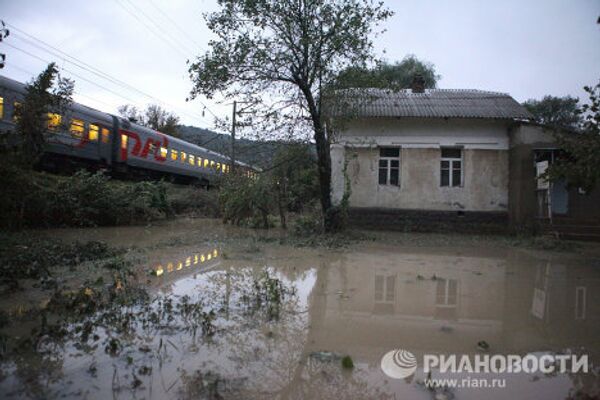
x=246 y=201
x=308 y=224
x=186 y=199
x=34 y=199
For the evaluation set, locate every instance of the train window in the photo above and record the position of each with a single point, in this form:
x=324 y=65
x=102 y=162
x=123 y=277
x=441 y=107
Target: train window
x=192 y=159
x=124 y=142
x=17 y=106
x=163 y=152
x=212 y=163
x=199 y=161
x=218 y=166
x=1 y=107
x=93 y=132
x=205 y=163
x=77 y=128
x=173 y=154
x=183 y=156
x=54 y=121
x=105 y=135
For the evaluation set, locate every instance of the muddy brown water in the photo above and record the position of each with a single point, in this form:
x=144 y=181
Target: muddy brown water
x=361 y=301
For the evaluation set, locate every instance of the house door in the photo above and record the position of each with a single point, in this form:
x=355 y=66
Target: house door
x=560 y=197
x=542 y=190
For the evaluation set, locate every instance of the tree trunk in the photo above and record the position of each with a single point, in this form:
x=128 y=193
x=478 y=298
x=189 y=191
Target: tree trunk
x=330 y=220
x=280 y=203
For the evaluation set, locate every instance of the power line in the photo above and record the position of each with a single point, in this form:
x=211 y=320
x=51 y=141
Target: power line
x=152 y=30
x=160 y=28
x=175 y=24
x=71 y=72
x=89 y=68
x=28 y=72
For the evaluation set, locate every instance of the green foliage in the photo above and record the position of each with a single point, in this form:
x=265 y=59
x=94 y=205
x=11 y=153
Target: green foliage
x=192 y=200
x=296 y=176
x=154 y=117
x=28 y=258
x=308 y=224
x=278 y=54
x=89 y=199
x=560 y=112
x=580 y=165
x=42 y=96
x=384 y=75
x=246 y=201
x=347 y=362
x=84 y=199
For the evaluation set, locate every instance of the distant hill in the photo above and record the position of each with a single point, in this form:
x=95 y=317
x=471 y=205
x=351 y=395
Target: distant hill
x=254 y=152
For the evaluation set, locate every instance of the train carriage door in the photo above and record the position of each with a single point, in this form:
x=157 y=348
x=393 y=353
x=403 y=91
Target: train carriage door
x=104 y=143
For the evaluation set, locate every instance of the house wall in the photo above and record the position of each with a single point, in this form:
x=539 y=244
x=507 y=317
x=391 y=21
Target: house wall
x=485 y=164
x=524 y=139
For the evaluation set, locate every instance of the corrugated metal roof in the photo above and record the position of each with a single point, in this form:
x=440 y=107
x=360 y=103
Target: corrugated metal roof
x=433 y=103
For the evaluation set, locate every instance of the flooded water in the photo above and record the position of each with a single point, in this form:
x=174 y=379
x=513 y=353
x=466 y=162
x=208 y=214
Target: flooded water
x=251 y=319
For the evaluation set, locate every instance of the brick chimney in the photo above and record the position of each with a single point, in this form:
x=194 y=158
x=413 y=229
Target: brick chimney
x=418 y=84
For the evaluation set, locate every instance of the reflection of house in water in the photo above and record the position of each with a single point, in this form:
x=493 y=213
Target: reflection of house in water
x=439 y=303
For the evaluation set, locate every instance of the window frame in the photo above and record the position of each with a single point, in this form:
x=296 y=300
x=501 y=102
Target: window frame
x=388 y=160
x=451 y=168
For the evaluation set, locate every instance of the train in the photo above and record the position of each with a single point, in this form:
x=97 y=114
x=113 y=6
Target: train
x=87 y=136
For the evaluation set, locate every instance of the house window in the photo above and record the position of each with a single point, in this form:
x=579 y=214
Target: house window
x=389 y=166
x=385 y=288
x=451 y=167
x=446 y=293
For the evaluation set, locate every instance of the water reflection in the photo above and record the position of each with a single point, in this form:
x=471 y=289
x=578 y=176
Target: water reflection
x=273 y=312
x=205 y=259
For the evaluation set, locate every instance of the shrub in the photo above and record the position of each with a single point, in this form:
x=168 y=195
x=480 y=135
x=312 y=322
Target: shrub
x=246 y=201
x=308 y=224
x=34 y=199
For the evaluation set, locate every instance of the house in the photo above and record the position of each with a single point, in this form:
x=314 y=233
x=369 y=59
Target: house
x=420 y=157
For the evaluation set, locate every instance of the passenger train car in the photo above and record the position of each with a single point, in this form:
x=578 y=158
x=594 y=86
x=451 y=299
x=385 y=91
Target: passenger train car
x=93 y=137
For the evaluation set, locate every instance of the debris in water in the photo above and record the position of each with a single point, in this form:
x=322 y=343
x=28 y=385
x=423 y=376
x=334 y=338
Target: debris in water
x=482 y=345
x=325 y=356
x=347 y=362
x=446 y=329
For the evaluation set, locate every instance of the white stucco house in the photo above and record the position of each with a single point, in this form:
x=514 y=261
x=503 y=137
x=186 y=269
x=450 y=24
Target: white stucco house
x=435 y=152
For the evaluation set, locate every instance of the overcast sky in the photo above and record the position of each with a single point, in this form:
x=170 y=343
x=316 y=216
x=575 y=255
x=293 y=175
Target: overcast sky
x=525 y=48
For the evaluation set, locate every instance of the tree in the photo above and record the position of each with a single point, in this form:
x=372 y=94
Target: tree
x=295 y=180
x=394 y=76
x=48 y=92
x=154 y=117
x=279 y=54
x=559 y=112
x=580 y=164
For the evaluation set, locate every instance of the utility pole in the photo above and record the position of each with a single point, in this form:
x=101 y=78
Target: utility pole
x=233 y=136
